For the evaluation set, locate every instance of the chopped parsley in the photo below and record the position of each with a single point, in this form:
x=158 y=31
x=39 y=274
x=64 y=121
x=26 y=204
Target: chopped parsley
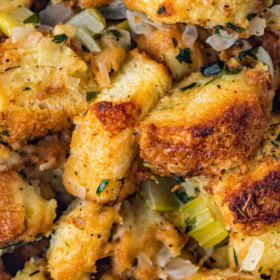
x=33 y=19
x=174 y=41
x=179 y=179
x=190 y=223
x=250 y=52
x=5 y=133
x=115 y=32
x=235 y=28
x=251 y=16
x=161 y=10
x=60 y=38
x=235 y=258
x=102 y=186
x=190 y=86
x=260 y=269
x=183 y=196
x=272 y=22
x=275 y=144
x=91 y=94
x=218 y=29
x=184 y=56
x=33 y=273
x=67 y=244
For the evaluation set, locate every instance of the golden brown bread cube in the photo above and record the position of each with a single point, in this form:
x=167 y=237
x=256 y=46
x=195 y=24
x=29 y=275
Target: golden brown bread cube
x=23 y=213
x=43 y=86
x=103 y=143
x=199 y=12
x=78 y=240
x=207 y=124
x=249 y=199
x=10 y=5
x=165 y=46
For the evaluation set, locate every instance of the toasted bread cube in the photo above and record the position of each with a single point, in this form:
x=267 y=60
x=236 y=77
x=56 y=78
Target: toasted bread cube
x=23 y=213
x=104 y=144
x=207 y=124
x=78 y=240
x=249 y=200
x=35 y=269
x=204 y=13
x=166 y=45
x=43 y=86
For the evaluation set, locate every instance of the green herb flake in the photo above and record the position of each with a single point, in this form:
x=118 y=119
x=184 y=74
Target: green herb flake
x=5 y=133
x=34 y=19
x=174 y=41
x=250 y=52
x=235 y=258
x=179 y=179
x=192 y=85
x=235 y=28
x=218 y=29
x=260 y=269
x=67 y=244
x=233 y=71
x=272 y=22
x=23 y=174
x=278 y=138
x=161 y=10
x=171 y=106
x=82 y=228
x=251 y=16
x=102 y=186
x=34 y=273
x=91 y=94
x=184 y=56
x=27 y=88
x=275 y=144
x=183 y=196
x=190 y=224
x=115 y=32
x=60 y=38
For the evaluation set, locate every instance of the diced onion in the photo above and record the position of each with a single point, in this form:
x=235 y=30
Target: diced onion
x=263 y=56
x=137 y=23
x=72 y=83
x=163 y=257
x=256 y=26
x=125 y=38
x=253 y=256
x=87 y=40
x=189 y=36
x=275 y=10
x=222 y=41
x=180 y=269
x=55 y=14
x=21 y=32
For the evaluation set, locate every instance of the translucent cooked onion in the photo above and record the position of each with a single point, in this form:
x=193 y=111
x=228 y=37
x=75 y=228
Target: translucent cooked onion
x=256 y=26
x=263 y=56
x=125 y=38
x=253 y=256
x=21 y=32
x=163 y=257
x=222 y=41
x=137 y=23
x=55 y=14
x=189 y=36
x=72 y=83
x=180 y=269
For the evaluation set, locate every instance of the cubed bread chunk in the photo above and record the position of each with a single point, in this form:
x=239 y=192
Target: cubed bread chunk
x=43 y=86
x=78 y=240
x=104 y=143
x=207 y=124
x=199 y=12
x=23 y=212
x=249 y=199
x=166 y=45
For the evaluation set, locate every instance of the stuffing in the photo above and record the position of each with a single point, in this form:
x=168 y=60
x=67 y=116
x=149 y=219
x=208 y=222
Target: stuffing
x=8 y=159
x=85 y=3
x=9 y=6
x=43 y=86
x=23 y=213
x=78 y=240
x=138 y=240
x=35 y=269
x=104 y=143
x=165 y=46
x=204 y=13
x=249 y=199
x=208 y=124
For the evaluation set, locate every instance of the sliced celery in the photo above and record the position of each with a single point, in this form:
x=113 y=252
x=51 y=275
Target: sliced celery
x=87 y=40
x=158 y=195
x=7 y=23
x=203 y=221
x=21 y=14
x=123 y=25
x=89 y=20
